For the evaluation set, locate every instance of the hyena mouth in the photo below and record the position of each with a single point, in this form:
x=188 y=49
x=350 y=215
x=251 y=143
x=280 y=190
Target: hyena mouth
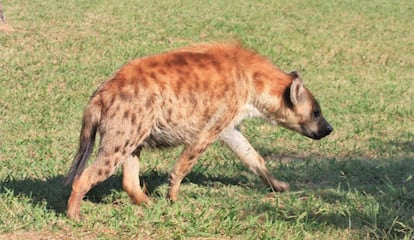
x=319 y=134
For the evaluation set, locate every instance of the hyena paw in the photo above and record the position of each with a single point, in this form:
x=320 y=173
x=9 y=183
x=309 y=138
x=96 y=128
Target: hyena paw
x=74 y=215
x=142 y=199
x=279 y=186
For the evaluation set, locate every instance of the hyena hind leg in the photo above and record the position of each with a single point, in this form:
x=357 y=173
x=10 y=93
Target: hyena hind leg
x=130 y=179
x=183 y=166
x=102 y=168
x=110 y=156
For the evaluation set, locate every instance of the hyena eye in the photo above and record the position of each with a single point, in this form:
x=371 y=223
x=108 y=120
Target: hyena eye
x=316 y=113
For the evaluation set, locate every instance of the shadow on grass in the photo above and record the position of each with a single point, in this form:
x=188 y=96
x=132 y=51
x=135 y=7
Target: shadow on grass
x=374 y=195
x=343 y=185
x=52 y=191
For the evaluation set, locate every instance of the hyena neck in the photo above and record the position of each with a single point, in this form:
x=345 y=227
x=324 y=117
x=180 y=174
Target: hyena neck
x=269 y=87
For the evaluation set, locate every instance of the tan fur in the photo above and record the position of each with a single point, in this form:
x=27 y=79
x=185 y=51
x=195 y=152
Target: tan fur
x=191 y=97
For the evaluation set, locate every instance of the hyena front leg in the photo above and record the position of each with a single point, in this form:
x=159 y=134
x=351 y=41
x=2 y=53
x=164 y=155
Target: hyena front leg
x=242 y=148
x=130 y=180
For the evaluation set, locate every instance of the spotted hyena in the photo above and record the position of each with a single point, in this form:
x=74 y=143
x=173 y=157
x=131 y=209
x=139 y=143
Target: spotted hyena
x=190 y=96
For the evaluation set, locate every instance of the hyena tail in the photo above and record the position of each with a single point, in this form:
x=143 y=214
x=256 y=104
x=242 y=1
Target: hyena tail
x=90 y=122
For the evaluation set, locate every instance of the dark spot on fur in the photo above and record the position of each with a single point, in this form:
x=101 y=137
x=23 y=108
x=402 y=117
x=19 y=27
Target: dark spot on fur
x=197 y=85
x=167 y=64
x=202 y=65
x=198 y=57
x=152 y=75
x=112 y=100
x=107 y=162
x=125 y=96
x=133 y=119
x=100 y=172
x=179 y=60
x=216 y=65
x=179 y=86
x=139 y=129
x=126 y=114
x=217 y=129
x=180 y=71
x=193 y=98
x=117 y=148
x=150 y=101
x=126 y=143
x=153 y=64
x=121 y=82
x=113 y=114
x=200 y=151
x=139 y=71
x=107 y=172
x=206 y=114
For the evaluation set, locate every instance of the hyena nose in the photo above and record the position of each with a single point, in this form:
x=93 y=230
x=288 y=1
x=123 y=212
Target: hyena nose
x=329 y=129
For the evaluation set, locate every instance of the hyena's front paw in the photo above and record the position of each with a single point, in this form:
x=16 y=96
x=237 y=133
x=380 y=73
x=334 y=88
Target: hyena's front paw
x=279 y=186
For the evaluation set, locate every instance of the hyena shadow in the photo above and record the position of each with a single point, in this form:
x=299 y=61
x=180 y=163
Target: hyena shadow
x=152 y=180
x=52 y=193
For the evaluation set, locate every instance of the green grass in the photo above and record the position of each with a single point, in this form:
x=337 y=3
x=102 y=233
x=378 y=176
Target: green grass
x=356 y=57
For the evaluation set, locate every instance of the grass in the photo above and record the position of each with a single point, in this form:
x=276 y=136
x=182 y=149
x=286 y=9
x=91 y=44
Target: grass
x=357 y=58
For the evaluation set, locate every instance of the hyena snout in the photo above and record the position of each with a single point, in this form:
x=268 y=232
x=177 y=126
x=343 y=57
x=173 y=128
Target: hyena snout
x=324 y=131
x=317 y=130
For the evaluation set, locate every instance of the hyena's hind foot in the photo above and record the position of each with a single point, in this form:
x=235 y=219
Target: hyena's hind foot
x=130 y=180
x=74 y=205
x=103 y=167
x=82 y=184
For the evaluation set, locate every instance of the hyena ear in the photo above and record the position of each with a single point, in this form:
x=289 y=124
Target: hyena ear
x=294 y=74
x=296 y=89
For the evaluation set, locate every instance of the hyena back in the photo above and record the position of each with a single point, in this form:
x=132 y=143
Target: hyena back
x=191 y=97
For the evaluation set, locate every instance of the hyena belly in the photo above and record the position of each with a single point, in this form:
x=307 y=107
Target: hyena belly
x=186 y=124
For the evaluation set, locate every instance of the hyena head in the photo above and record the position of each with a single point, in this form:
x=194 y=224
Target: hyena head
x=303 y=113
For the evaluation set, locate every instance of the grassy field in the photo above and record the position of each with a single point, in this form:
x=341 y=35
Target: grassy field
x=356 y=56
